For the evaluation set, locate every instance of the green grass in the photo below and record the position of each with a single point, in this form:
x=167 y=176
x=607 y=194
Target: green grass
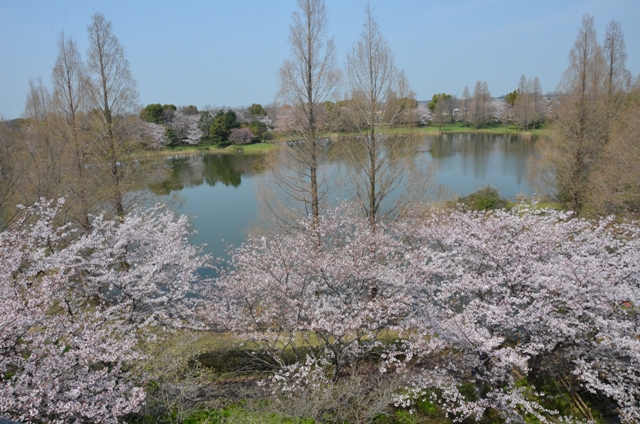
x=248 y=149
x=237 y=414
x=459 y=128
x=425 y=413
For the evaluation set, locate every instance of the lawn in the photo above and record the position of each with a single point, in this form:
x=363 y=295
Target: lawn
x=248 y=149
x=458 y=127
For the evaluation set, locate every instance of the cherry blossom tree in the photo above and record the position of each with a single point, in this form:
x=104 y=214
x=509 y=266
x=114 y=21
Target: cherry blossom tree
x=327 y=291
x=478 y=309
x=535 y=294
x=241 y=136
x=72 y=307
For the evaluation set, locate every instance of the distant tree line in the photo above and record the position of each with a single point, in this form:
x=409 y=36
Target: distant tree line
x=220 y=128
x=525 y=107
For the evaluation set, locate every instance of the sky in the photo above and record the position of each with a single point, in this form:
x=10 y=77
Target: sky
x=227 y=53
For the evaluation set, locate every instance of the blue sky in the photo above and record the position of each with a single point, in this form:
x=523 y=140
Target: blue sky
x=227 y=53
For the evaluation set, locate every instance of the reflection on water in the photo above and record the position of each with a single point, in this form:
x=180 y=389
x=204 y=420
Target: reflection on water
x=220 y=190
x=218 y=193
x=188 y=171
x=466 y=162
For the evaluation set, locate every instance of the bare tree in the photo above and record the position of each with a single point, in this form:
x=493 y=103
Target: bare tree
x=379 y=93
x=307 y=81
x=68 y=107
x=67 y=78
x=465 y=105
x=529 y=107
x=38 y=101
x=523 y=106
x=479 y=112
x=615 y=56
x=12 y=172
x=617 y=180
x=112 y=95
x=568 y=159
x=539 y=103
x=44 y=163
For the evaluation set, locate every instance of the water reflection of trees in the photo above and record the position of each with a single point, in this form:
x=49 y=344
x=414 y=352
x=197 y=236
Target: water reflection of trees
x=478 y=145
x=478 y=155
x=472 y=158
x=404 y=175
x=195 y=170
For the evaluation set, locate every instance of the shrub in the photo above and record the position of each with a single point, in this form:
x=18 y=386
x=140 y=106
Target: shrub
x=487 y=198
x=257 y=109
x=258 y=128
x=189 y=110
x=152 y=113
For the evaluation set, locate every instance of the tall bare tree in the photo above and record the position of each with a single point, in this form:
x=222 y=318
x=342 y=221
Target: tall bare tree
x=465 y=105
x=615 y=57
x=480 y=112
x=44 y=163
x=12 y=171
x=523 y=107
x=617 y=180
x=529 y=107
x=38 y=101
x=68 y=107
x=379 y=92
x=572 y=153
x=307 y=80
x=68 y=77
x=112 y=97
x=539 y=103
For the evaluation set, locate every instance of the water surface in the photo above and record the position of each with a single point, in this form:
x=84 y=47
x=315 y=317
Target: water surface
x=220 y=191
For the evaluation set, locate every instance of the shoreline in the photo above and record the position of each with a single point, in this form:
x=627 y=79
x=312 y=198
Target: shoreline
x=260 y=148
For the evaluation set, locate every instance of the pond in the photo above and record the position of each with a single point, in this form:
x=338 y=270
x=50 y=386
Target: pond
x=219 y=192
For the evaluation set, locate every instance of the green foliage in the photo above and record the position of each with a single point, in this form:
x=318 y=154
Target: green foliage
x=257 y=110
x=172 y=137
x=487 y=198
x=154 y=112
x=511 y=97
x=238 y=414
x=407 y=103
x=204 y=124
x=223 y=123
x=436 y=98
x=552 y=396
x=189 y=110
x=403 y=416
x=257 y=128
x=468 y=391
x=426 y=406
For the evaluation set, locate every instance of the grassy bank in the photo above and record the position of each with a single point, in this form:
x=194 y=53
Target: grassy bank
x=459 y=128
x=248 y=149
